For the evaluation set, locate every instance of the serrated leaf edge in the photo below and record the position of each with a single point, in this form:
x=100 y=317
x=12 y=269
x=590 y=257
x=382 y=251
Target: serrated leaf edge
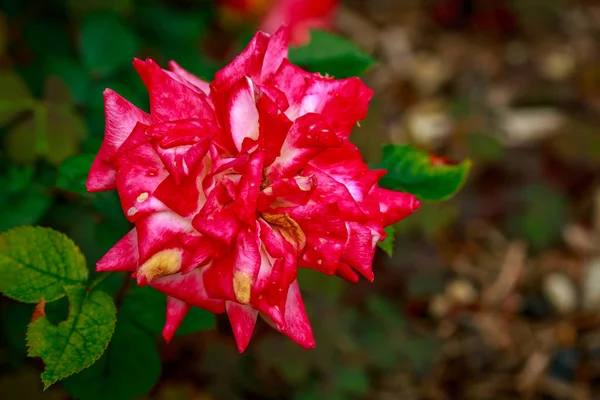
x=48 y=384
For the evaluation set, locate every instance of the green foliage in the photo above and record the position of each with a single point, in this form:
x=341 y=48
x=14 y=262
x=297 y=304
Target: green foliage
x=23 y=201
x=147 y=307
x=107 y=43
x=387 y=244
x=36 y=263
x=52 y=128
x=413 y=171
x=331 y=54
x=73 y=173
x=129 y=368
x=77 y=342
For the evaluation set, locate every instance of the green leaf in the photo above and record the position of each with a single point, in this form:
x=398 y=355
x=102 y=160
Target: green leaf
x=388 y=244
x=107 y=43
x=129 y=368
x=413 y=171
x=148 y=308
x=14 y=96
x=331 y=54
x=73 y=173
x=76 y=343
x=25 y=208
x=36 y=263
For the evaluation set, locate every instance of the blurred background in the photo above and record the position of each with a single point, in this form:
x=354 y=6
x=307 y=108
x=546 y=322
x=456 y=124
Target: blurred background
x=492 y=295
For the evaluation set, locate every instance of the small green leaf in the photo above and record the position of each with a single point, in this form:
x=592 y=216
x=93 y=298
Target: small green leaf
x=14 y=96
x=148 y=308
x=388 y=244
x=416 y=172
x=129 y=368
x=79 y=341
x=73 y=173
x=36 y=263
x=331 y=54
x=107 y=43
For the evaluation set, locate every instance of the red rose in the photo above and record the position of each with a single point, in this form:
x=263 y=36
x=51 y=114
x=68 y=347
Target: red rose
x=233 y=186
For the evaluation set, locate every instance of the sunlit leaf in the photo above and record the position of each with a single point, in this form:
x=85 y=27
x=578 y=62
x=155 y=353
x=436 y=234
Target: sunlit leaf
x=36 y=263
x=331 y=54
x=79 y=341
x=129 y=368
x=428 y=177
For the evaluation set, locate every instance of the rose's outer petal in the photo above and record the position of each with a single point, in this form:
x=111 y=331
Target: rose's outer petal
x=297 y=324
x=139 y=172
x=189 y=77
x=308 y=136
x=123 y=256
x=259 y=60
x=360 y=248
x=243 y=320
x=341 y=102
x=190 y=289
x=176 y=312
x=158 y=230
x=395 y=206
x=121 y=117
x=170 y=99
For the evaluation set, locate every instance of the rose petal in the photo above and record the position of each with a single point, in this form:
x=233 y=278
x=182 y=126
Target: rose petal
x=176 y=312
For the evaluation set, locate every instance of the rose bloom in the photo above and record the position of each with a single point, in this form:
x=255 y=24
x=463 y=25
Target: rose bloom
x=300 y=15
x=234 y=185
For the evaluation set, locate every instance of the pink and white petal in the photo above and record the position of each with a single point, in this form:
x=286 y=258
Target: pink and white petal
x=218 y=278
x=217 y=218
x=170 y=99
x=121 y=118
x=139 y=172
x=241 y=118
x=176 y=312
x=308 y=136
x=183 y=197
x=345 y=271
x=297 y=324
x=248 y=189
x=273 y=127
x=287 y=192
x=360 y=248
x=248 y=63
x=277 y=51
x=123 y=256
x=247 y=264
x=395 y=206
x=199 y=250
x=182 y=132
x=159 y=231
x=189 y=288
x=189 y=77
x=243 y=320
x=341 y=102
x=345 y=165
